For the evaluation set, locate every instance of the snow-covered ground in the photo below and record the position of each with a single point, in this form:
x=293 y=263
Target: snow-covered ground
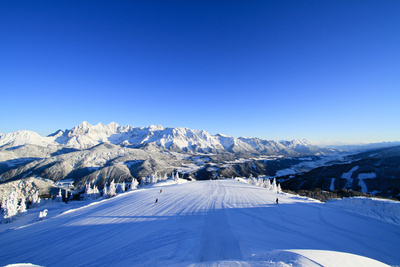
x=206 y=223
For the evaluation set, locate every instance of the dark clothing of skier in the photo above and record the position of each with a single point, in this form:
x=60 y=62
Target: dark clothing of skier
x=277 y=201
x=156 y=200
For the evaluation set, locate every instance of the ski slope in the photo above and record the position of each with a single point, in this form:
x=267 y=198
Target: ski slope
x=204 y=223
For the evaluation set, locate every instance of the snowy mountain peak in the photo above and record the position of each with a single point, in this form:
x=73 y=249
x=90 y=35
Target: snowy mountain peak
x=177 y=139
x=24 y=137
x=155 y=128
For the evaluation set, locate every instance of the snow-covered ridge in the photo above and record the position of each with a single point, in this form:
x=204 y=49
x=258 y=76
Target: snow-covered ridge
x=180 y=139
x=25 y=137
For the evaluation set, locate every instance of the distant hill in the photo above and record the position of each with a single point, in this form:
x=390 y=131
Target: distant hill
x=375 y=172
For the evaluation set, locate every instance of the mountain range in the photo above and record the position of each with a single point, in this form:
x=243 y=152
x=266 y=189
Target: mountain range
x=85 y=136
x=101 y=153
x=98 y=154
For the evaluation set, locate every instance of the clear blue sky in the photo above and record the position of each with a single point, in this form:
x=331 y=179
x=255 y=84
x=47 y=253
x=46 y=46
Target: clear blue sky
x=321 y=70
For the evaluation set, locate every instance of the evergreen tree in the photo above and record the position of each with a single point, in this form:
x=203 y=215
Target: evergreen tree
x=88 y=192
x=105 y=191
x=22 y=206
x=134 y=184
x=113 y=189
x=35 y=199
x=96 y=192
x=279 y=189
x=267 y=184
x=156 y=178
x=274 y=186
x=10 y=207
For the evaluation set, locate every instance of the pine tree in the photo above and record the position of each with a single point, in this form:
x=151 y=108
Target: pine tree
x=134 y=184
x=267 y=184
x=105 y=191
x=279 y=189
x=122 y=187
x=88 y=191
x=112 y=190
x=22 y=206
x=274 y=186
x=35 y=199
x=10 y=207
x=96 y=192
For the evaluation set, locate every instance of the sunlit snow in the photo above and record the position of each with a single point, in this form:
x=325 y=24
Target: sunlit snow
x=206 y=223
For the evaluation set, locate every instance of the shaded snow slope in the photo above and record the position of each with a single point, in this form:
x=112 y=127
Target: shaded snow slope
x=225 y=223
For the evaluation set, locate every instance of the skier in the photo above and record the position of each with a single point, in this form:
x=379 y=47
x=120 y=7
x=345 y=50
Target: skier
x=277 y=201
x=160 y=191
x=156 y=200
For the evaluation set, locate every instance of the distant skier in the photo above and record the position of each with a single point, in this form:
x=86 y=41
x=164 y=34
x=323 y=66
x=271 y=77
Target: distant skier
x=160 y=191
x=156 y=200
x=277 y=202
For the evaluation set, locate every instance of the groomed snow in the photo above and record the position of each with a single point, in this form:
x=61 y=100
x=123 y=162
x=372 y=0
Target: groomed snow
x=204 y=223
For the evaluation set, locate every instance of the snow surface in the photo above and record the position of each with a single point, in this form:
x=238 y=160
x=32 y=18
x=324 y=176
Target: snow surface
x=205 y=223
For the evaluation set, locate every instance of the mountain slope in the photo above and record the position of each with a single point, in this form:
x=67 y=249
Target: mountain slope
x=375 y=172
x=222 y=222
x=85 y=136
x=88 y=153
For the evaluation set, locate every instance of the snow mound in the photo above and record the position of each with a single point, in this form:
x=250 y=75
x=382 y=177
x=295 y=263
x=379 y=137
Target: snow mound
x=22 y=265
x=299 y=258
x=381 y=209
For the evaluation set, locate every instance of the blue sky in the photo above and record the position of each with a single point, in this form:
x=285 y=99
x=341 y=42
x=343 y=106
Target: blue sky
x=326 y=71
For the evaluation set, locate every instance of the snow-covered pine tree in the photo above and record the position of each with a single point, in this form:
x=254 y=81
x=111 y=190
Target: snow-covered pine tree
x=144 y=181
x=105 y=191
x=113 y=189
x=260 y=182
x=10 y=207
x=22 y=206
x=267 y=184
x=96 y=192
x=134 y=184
x=122 y=186
x=35 y=199
x=279 y=189
x=274 y=186
x=88 y=191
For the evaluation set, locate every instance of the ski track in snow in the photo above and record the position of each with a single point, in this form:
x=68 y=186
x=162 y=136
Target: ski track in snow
x=197 y=224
